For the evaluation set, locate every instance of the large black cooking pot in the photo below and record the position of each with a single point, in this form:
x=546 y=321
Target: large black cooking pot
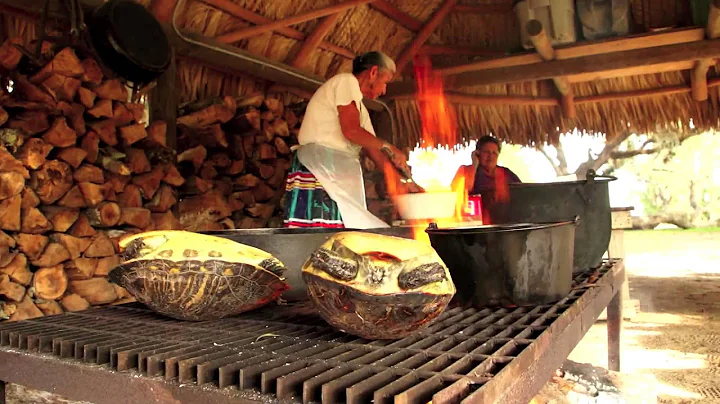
x=501 y=265
x=562 y=201
x=294 y=246
x=130 y=41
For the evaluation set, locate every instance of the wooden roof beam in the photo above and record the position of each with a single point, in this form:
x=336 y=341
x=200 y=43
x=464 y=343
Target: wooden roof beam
x=397 y=15
x=240 y=34
x=458 y=50
x=699 y=74
x=412 y=49
x=544 y=48
x=685 y=35
x=483 y=8
x=313 y=40
x=684 y=40
x=239 y=12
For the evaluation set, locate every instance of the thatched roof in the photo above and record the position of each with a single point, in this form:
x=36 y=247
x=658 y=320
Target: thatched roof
x=473 y=30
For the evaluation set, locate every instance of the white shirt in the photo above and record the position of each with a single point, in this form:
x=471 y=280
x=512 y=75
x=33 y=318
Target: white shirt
x=321 y=123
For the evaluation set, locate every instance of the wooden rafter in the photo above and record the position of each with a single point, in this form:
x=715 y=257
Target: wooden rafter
x=412 y=49
x=237 y=11
x=699 y=74
x=397 y=15
x=544 y=48
x=163 y=9
x=238 y=35
x=313 y=40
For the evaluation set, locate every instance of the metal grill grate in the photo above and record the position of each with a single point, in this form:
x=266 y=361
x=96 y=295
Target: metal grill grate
x=290 y=353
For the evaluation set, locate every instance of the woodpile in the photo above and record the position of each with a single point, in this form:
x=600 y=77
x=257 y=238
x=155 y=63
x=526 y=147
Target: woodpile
x=78 y=170
x=234 y=155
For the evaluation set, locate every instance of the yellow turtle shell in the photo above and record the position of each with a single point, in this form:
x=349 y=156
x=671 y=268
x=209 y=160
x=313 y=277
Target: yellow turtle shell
x=376 y=286
x=192 y=276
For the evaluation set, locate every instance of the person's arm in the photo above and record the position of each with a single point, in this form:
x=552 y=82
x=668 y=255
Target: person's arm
x=353 y=131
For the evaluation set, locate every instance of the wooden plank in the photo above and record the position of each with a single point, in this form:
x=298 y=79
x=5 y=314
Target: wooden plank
x=237 y=11
x=397 y=15
x=647 y=60
x=412 y=49
x=243 y=33
x=313 y=40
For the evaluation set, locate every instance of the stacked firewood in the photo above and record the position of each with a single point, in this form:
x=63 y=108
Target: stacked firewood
x=78 y=170
x=234 y=155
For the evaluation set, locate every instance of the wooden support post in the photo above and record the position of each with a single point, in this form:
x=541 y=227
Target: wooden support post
x=164 y=101
x=235 y=36
x=397 y=15
x=699 y=74
x=544 y=48
x=314 y=39
x=422 y=36
x=614 y=330
x=257 y=19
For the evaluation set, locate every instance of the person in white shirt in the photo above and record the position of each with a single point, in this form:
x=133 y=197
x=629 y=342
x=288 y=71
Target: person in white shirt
x=325 y=185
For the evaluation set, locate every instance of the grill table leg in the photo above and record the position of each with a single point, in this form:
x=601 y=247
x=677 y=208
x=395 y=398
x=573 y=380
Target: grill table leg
x=2 y=392
x=614 y=325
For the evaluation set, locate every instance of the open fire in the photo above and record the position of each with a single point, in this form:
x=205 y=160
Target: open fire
x=438 y=132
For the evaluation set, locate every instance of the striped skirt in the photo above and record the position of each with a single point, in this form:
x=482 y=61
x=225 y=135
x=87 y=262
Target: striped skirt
x=307 y=204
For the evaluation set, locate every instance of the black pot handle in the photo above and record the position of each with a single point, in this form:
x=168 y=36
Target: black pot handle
x=591 y=176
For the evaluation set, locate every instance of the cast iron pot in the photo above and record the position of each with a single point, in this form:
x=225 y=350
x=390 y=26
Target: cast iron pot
x=294 y=246
x=562 y=201
x=501 y=265
x=130 y=41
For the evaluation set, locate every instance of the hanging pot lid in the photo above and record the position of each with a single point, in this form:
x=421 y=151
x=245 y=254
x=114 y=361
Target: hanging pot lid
x=130 y=40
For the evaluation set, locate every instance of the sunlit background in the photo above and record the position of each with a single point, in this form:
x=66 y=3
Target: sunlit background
x=696 y=154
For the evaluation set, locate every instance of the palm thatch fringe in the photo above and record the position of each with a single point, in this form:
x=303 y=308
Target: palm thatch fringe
x=536 y=125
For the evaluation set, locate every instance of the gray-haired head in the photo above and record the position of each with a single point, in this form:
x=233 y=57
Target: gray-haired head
x=375 y=58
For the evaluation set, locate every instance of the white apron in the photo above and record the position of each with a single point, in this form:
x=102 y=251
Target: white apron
x=340 y=173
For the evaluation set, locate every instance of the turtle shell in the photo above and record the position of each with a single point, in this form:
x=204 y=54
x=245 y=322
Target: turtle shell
x=191 y=276
x=376 y=286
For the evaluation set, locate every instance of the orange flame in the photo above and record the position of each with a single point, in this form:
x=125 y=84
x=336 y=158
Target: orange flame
x=438 y=128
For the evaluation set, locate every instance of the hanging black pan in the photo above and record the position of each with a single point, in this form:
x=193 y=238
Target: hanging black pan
x=130 y=41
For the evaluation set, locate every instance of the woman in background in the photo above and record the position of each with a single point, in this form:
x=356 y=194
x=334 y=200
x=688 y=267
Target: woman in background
x=485 y=177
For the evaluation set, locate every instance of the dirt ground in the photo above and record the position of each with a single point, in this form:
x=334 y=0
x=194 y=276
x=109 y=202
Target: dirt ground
x=675 y=337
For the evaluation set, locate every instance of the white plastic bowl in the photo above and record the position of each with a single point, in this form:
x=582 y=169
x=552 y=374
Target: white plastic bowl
x=427 y=205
